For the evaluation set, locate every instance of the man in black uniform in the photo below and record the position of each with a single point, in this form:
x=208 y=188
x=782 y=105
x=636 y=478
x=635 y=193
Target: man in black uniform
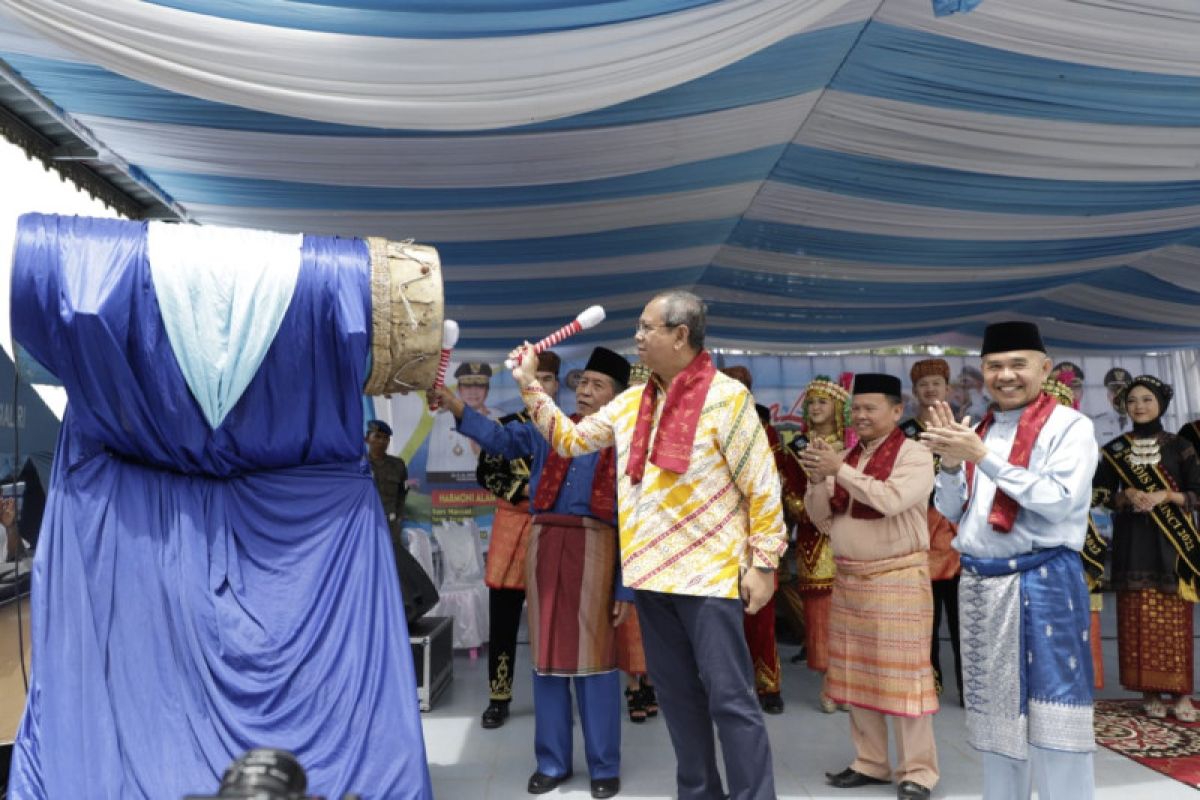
x=508 y=479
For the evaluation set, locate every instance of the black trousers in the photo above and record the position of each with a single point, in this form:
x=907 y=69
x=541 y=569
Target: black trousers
x=697 y=657
x=945 y=596
x=504 y=618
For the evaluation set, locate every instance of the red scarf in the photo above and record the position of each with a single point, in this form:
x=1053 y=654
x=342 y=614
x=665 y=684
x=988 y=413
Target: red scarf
x=879 y=467
x=676 y=434
x=604 y=482
x=1033 y=419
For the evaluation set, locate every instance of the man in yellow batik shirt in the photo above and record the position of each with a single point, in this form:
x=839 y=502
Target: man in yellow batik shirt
x=701 y=532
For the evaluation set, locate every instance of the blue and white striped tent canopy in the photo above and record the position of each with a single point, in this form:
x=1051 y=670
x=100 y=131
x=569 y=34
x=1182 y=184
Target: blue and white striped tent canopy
x=826 y=173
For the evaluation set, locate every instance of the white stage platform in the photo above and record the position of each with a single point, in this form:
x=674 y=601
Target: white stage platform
x=469 y=762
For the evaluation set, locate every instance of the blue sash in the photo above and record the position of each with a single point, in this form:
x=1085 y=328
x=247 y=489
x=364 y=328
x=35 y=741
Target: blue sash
x=1027 y=659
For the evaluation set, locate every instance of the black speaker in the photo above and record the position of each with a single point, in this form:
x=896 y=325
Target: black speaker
x=418 y=590
x=6 y=750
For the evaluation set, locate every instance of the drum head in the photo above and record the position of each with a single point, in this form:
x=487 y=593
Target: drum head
x=407 y=310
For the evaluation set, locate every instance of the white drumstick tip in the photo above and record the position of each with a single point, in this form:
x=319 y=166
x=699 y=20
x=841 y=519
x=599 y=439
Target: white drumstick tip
x=449 y=334
x=590 y=317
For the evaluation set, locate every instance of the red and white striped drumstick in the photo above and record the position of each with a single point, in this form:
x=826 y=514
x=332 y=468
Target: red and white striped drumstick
x=590 y=317
x=449 y=339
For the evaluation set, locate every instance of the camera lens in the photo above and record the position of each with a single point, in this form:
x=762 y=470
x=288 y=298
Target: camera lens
x=267 y=771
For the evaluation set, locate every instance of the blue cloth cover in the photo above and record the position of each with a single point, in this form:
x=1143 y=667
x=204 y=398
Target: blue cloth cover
x=199 y=592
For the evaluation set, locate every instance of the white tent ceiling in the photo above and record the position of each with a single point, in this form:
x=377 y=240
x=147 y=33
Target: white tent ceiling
x=826 y=173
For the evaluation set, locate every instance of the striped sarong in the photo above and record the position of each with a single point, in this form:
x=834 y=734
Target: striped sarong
x=631 y=656
x=880 y=623
x=569 y=591
x=507 y=550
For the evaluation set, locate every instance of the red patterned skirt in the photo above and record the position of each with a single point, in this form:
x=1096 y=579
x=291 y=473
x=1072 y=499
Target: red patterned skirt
x=507 y=546
x=631 y=657
x=1154 y=642
x=880 y=626
x=569 y=595
x=764 y=653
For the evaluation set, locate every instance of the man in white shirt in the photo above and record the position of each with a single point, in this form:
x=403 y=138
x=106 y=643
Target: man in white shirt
x=1019 y=487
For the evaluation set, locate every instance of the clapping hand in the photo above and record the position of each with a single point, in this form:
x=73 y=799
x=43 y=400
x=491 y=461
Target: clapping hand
x=954 y=442
x=820 y=460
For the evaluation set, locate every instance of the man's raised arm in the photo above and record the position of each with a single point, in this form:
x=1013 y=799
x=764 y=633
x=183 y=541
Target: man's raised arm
x=594 y=432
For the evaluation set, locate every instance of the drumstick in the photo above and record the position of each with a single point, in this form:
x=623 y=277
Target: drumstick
x=590 y=317
x=449 y=339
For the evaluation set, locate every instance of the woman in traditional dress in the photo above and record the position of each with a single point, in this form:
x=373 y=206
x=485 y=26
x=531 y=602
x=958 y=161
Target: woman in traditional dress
x=825 y=409
x=1150 y=479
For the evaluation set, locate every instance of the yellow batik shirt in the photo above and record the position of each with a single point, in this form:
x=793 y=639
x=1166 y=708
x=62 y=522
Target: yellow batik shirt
x=691 y=533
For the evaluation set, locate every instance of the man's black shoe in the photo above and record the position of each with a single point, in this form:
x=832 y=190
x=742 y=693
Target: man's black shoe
x=849 y=779
x=540 y=784
x=495 y=714
x=606 y=787
x=771 y=702
x=907 y=790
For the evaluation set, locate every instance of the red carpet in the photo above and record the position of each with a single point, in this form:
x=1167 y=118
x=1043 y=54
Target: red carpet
x=1164 y=745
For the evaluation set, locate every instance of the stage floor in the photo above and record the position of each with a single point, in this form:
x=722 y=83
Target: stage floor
x=469 y=762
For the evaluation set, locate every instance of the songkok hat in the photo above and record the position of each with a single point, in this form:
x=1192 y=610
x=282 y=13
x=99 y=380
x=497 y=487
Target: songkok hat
x=380 y=426
x=548 y=361
x=1160 y=390
x=740 y=374
x=930 y=366
x=1117 y=375
x=606 y=362
x=877 y=383
x=1004 y=337
x=473 y=373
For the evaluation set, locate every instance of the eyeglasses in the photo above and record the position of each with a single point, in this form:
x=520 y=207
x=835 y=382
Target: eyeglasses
x=643 y=329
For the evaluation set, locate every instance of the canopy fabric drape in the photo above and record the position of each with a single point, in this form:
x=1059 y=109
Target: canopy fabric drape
x=364 y=78
x=200 y=590
x=852 y=173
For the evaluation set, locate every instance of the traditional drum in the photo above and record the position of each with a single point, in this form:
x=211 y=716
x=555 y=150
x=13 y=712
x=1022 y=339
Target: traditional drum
x=406 y=316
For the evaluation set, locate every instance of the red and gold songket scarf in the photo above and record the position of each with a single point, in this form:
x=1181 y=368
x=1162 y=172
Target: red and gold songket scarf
x=676 y=434
x=604 y=482
x=879 y=466
x=1004 y=509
